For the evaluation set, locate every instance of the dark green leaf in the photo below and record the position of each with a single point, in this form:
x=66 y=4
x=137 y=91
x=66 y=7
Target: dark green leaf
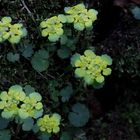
x=5 y=134
x=66 y=93
x=13 y=57
x=79 y=115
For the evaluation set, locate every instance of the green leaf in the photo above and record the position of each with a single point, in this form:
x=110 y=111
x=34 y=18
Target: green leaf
x=66 y=93
x=88 y=79
x=7 y=114
x=4 y=123
x=136 y=12
x=100 y=79
x=107 y=58
x=97 y=85
x=13 y=57
x=62 y=18
x=38 y=113
x=79 y=26
x=5 y=134
x=74 y=58
x=65 y=136
x=54 y=95
x=23 y=114
x=35 y=128
x=40 y=60
x=29 y=89
x=27 y=124
x=28 y=51
x=107 y=71
x=44 y=136
x=63 y=53
x=79 y=115
x=79 y=72
x=53 y=37
x=63 y=39
x=36 y=96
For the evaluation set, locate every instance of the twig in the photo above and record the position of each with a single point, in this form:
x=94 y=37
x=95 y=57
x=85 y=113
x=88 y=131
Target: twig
x=29 y=12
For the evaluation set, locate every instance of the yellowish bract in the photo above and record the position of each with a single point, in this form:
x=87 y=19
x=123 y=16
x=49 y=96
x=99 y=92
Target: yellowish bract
x=80 y=16
x=92 y=67
x=53 y=27
x=11 y=32
x=49 y=124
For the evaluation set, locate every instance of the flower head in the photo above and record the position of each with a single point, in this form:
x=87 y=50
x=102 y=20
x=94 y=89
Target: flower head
x=92 y=67
x=80 y=16
x=52 y=27
x=11 y=32
x=49 y=124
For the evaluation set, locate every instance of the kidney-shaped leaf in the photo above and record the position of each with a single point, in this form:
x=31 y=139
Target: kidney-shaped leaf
x=79 y=115
x=40 y=60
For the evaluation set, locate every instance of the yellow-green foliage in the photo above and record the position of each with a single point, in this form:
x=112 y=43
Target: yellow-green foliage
x=53 y=27
x=49 y=124
x=92 y=67
x=11 y=32
x=31 y=107
x=80 y=16
x=15 y=103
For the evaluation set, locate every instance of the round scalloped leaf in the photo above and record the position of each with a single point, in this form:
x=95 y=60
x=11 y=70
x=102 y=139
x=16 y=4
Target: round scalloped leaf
x=27 y=124
x=65 y=136
x=79 y=115
x=6 y=19
x=107 y=58
x=36 y=96
x=7 y=114
x=29 y=89
x=27 y=50
x=74 y=58
x=90 y=53
x=88 y=23
x=5 y=134
x=66 y=93
x=79 y=26
x=23 y=114
x=100 y=79
x=4 y=123
x=53 y=37
x=35 y=128
x=4 y=96
x=136 y=12
x=80 y=72
x=62 y=18
x=63 y=39
x=63 y=53
x=39 y=106
x=40 y=60
x=43 y=24
x=44 y=136
x=107 y=71
x=70 y=19
x=11 y=57
x=16 y=88
x=14 y=39
x=88 y=79
x=38 y=113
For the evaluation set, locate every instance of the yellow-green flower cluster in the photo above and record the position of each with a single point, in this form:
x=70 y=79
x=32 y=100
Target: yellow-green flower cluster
x=31 y=107
x=80 y=16
x=49 y=124
x=92 y=67
x=53 y=27
x=11 y=32
x=16 y=103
